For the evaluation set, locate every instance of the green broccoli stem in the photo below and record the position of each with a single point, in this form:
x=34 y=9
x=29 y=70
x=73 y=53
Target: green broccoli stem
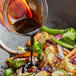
x=53 y=31
x=62 y=43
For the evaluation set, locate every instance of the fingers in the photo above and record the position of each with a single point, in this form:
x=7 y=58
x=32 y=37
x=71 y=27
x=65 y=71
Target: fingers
x=2 y=21
x=1 y=5
x=1 y=11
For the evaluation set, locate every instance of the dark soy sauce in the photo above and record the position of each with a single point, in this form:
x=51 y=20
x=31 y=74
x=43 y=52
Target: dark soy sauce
x=28 y=27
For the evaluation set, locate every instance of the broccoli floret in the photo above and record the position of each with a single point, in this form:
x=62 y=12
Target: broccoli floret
x=69 y=36
x=16 y=63
x=68 y=41
x=37 y=47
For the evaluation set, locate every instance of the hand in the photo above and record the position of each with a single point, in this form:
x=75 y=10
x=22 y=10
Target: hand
x=1 y=12
x=1 y=5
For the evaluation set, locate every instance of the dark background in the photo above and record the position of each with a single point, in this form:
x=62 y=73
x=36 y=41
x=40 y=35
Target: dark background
x=62 y=14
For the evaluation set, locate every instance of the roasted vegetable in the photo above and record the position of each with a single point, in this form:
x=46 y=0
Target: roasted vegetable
x=62 y=43
x=24 y=55
x=36 y=38
x=53 y=31
x=44 y=37
x=59 y=73
x=49 y=50
x=74 y=71
x=21 y=48
x=72 y=53
x=27 y=74
x=50 y=58
x=69 y=37
x=42 y=62
x=19 y=71
x=16 y=63
x=9 y=71
x=42 y=73
x=37 y=47
x=65 y=64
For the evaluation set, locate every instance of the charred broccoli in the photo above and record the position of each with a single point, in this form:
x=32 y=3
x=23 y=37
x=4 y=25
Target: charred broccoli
x=37 y=47
x=16 y=63
x=69 y=36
